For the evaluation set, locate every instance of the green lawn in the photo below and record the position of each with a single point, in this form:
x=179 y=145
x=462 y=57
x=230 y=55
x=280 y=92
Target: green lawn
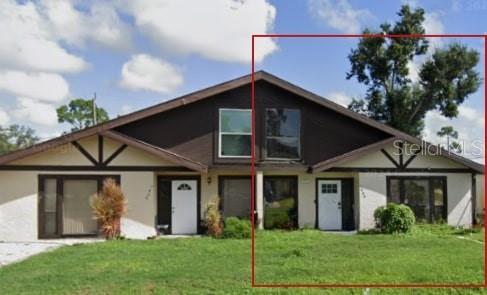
x=208 y=266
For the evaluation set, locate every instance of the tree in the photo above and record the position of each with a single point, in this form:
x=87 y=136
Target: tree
x=446 y=78
x=449 y=132
x=79 y=113
x=16 y=137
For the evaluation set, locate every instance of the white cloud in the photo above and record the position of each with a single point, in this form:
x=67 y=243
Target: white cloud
x=434 y=26
x=340 y=98
x=100 y=24
x=29 y=43
x=471 y=115
x=414 y=67
x=42 y=86
x=145 y=72
x=340 y=15
x=36 y=112
x=218 y=29
x=4 y=117
x=469 y=125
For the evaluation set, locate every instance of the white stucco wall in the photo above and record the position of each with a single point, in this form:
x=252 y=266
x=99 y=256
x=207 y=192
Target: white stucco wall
x=372 y=186
x=140 y=189
x=18 y=206
x=19 y=189
x=18 y=203
x=373 y=194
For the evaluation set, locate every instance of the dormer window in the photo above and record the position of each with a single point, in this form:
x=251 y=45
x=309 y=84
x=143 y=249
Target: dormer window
x=235 y=130
x=282 y=133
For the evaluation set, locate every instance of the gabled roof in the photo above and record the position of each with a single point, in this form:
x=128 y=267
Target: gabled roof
x=330 y=163
x=155 y=150
x=217 y=89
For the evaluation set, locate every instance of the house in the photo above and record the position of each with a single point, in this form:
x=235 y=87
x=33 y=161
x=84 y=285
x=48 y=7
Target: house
x=317 y=165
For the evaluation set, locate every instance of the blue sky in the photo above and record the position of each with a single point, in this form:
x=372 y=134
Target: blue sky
x=136 y=53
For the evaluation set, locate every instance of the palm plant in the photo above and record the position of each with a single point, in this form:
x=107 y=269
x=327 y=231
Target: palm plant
x=109 y=205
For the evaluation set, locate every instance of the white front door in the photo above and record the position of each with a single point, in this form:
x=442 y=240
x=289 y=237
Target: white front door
x=184 y=207
x=329 y=205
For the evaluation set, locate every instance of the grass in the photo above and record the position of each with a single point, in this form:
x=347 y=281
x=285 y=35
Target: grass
x=208 y=266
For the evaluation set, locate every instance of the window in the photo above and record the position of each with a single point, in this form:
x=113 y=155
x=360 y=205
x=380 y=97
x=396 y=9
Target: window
x=329 y=188
x=280 y=202
x=235 y=193
x=235 y=133
x=282 y=133
x=184 y=187
x=426 y=196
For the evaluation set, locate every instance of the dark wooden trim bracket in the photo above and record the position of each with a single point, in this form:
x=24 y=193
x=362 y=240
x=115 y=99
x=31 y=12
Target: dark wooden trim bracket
x=401 y=154
x=390 y=158
x=115 y=154
x=410 y=159
x=84 y=152
x=100 y=150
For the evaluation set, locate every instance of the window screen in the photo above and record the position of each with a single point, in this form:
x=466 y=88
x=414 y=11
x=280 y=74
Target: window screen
x=50 y=206
x=77 y=213
x=236 y=194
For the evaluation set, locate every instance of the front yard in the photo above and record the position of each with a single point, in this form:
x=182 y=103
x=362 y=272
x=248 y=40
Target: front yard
x=205 y=265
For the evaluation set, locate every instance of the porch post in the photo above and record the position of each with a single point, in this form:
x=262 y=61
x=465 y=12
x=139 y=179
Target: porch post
x=259 y=198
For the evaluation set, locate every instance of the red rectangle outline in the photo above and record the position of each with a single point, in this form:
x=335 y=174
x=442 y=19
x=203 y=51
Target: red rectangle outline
x=252 y=163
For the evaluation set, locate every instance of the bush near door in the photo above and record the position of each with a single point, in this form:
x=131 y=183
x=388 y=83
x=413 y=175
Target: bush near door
x=394 y=218
x=236 y=228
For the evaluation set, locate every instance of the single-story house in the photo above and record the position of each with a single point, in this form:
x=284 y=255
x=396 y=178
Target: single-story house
x=318 y=165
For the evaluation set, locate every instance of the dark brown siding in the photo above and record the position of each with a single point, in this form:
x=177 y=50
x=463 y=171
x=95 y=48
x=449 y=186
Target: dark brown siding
x=324 y=133
x=192 y=130
x=189 y=130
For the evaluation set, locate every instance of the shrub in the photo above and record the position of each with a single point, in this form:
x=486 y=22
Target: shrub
x=394 y=218
x=213 y=219
x=236 y=228
x=109 y=205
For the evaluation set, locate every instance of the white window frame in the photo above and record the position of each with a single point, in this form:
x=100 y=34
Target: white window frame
x=277 y=137
x=220 y=133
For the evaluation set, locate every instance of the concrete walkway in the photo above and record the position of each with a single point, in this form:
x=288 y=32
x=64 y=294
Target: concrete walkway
x=340 y=232
x=11 y=252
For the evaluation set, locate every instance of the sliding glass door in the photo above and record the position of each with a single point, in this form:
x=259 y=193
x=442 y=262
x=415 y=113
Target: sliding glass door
x=77 y=214
x=64 y=204
x=280 y=202
x=426 y=196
